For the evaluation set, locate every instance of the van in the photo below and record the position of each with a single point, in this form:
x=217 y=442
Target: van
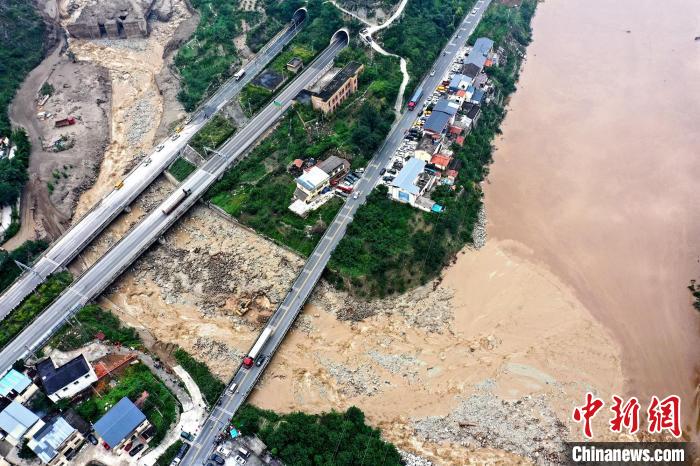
x=232 y=388
x=243 y=452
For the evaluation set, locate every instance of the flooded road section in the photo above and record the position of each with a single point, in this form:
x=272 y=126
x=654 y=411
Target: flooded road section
x=597 y=175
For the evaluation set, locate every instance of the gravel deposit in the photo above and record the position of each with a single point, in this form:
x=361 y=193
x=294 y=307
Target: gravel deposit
x=479 y=232
x=410 y=459
x=359 y=381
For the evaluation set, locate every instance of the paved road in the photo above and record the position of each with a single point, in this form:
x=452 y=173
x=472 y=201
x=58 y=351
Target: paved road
x=72 y=242
x=283 y=318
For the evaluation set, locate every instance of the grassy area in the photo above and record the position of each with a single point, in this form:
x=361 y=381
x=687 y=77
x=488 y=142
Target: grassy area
x=258 y=190
x=33 y=305
x=90 y=320
x=390 y=247
x=213 y=134
x=25 y=254
x=161 y=407
x=181 y=169
x=208 y=384
x=330 y=438
x=169 y=454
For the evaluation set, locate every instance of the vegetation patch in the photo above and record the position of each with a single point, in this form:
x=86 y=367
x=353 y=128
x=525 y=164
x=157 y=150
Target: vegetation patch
x=25 y=254
x=87 y=323
x=213 y=134
x=210 y=386
x=329 y=438
x=161 y=407
x=390 y=247
x=13 y=172
x=169 y=454
x=33 y=305
x=181 y=169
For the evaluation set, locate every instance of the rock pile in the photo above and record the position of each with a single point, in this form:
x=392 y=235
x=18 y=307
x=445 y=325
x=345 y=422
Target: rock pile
x=409 y=459
x=479 y=232
x=140 y=118
x=358 y=381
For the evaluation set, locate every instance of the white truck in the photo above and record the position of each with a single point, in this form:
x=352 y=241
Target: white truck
x=175 y=201
x=255 y=350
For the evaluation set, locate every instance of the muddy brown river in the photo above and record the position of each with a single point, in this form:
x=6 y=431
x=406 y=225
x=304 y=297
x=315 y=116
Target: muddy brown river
x=597 y=175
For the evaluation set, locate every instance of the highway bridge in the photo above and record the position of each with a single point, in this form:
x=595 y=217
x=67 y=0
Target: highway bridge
x=282 y=320
x=120 y=256
x=75 y=239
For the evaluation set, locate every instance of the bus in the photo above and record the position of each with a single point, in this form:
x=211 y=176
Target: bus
x=416 y=97
x=239 y=74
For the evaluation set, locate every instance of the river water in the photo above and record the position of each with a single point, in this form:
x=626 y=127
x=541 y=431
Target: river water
x=597 y=175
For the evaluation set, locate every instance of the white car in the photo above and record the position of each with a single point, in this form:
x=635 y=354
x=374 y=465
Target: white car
x=240 y=459
x=432 y=73
x=355 y=195
x=159 y=148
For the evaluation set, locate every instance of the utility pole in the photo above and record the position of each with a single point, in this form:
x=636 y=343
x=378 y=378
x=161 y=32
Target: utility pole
x=26 y=268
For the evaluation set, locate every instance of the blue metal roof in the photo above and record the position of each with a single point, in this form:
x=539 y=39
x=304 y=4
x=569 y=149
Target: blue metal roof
x=480 y=51
x=119 y=422
x=444 y=106
x=14 y=380
x=456 y=79
x=478 y=95
x=408 y=174
x=436 y=122
x=46 y=442
x=15 y=419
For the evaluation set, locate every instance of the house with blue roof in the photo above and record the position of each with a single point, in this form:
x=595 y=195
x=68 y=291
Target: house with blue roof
x=17 y=422
x=121 y=424
x=411 y=182
x=56 y=442
x=480 y=52
x=17 y=386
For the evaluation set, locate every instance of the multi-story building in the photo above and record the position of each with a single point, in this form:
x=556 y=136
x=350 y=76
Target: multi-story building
x=337 y=89
x=56 y=442
x=67 y=380
x=122 y=423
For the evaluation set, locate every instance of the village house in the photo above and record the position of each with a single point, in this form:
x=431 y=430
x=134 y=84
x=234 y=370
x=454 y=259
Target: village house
x=335 y=92
x=66 y=381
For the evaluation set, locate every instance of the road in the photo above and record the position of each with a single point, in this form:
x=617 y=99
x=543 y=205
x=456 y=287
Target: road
x=120 y=256
x=74 y=240
x=284 y=316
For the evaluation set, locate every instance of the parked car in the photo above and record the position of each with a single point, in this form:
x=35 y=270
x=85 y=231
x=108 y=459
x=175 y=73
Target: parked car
x=240 y=460
x=217 y=459
x=382 y=171
x=135 y=451
x=187 y=436
x=159 y=148
x=128 y=446
x=175 y=136
x=92 y=439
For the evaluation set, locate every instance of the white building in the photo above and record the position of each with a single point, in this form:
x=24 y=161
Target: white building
x=310 y=184
x=67 y=380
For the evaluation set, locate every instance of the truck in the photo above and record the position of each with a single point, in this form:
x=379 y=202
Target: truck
x=416 y=97
x=255 y=350
x=175 y=201
x=239 y=74
x=64 y=122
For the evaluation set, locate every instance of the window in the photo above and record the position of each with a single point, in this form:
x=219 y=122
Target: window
x=76 y=382
x=65 y=389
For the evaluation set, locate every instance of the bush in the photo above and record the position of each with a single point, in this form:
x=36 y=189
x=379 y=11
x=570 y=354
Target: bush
x=213 y=134
x=90 y=320
x=33 y=305
x=210 y=386
x=169 y=454
x=329 y=438
x=181 y=169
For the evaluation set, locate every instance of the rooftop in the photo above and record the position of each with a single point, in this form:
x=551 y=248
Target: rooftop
x=312 y=179
x=405 y=180
x=119 y=422
x=14 y=381
x=446 y=106
x=331 y=164
x=55 y=378
x=295 y=62
x=47 y=440
x=436 y=122
x=470 y=70
x=480 y=51
x=440 y=160
x=16 y=420
x=339 y=79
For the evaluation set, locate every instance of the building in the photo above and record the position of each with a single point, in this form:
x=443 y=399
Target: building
x=411 y=182
x=470 y=70
x=460 y=81
x=440 y=161
x=56 y=442
x=338 y=89
x=114 y=19
x=334 y=166
x=472 y=112
x=67 y=380
x=17 y=422
x=122 y=422
x=446 y=106
x=426 y=148
x=480 y=52
x=17 y=386
x=478 y=96
x=436 y=123
x=310 y=184
x=295 y=65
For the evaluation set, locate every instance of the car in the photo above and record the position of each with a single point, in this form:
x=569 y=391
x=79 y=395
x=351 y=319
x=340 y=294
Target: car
x=159 y=148
x=232 y=388
x=432 y=73
x=360 y=170
x=134 y=451
x=147 y=162
x=388 y=178
x=92 y=439
x=217 y=459
x=392 y=171
x=187 y=436
x=128 y=446
x=243 y=452
x=355 y=195
x=261 y=360
x=240 y=459
x=175 y=136
x=382 y=171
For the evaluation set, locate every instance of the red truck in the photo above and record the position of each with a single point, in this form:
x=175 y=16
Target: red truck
x=65 y=122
